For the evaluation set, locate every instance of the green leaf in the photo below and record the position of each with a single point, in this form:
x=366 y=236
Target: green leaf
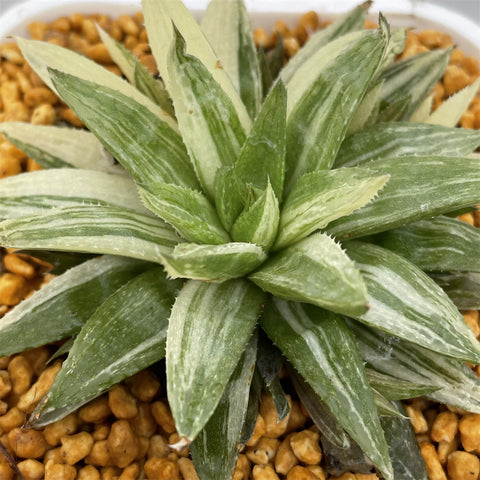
x=271 y=63
x=439 y=244
x=41 y=56
x=319 y=112
x=91 y=229
x=229 y=199
x=144 y=302
x=407 y=461
x=366 y=111
x=213 y=263
x=228 y=29
x=259 y=223
x=322 y=349
x=323 y=196
x=396 y=389
x=462 y=288
x=405 y=302
x=207 y=118
x=215 y=450
x=384 y=406
x=317 y=271
x=395 y=46
x=419 y=187
x=188 y=211
x=159 y=20
x=400 y=139
x=60 y=147
x=209 y=329
x=253 y=408
x=147 y=147
x=415 y=77
x=62 y=306
x=394 y=111
x=457 y=384
x=34 y=193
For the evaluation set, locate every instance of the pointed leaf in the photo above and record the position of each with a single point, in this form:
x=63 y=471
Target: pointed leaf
x=188 y=211
x=405 y=302
x=215 y=449
x=206 y=116
x=317 y=271
x=144 y=302
x=36 y=192
x=60 y=147
x=436 y=245
x=229 y=200
x=213 y=263
x=457 y=383
x=227 y=27
x=419 y=187
x=91 y=229
x=384 y=406
x=146 y=146
x=61 y=307
x=271 y=64
x=253 y=408
x=423 y=111
x=323 y=196
x=400 y=139
x=366 y=111
x=259 y=223
x=312 y=337
x=209 y=328
x=159 y=20
x=462 y=288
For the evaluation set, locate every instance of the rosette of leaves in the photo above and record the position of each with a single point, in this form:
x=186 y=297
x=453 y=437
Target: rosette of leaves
x=235 y=215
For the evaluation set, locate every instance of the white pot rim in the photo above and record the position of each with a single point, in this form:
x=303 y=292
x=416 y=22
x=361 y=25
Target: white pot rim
x=406 y=13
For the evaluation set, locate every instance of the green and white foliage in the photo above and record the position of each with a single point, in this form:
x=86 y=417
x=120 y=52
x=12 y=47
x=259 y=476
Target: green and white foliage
x=231 y=207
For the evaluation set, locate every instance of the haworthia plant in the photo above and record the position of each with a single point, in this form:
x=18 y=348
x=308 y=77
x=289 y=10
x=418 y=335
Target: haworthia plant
x=237 y=187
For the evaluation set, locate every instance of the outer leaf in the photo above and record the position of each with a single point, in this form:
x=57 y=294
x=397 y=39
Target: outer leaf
x=61 y=307
x=457 y=384
x=213 y=263
x=323 y=196
x=41 y=56
x=405 y=302
x=317 y=271
x=208 y=330
x=215 y=449
x=206 y=116
x=144 y=302
x=321 y=347
x=159 y=18
x=60 y=147
x=227 y=27
x=384 y=406
x=436 y=245
x=400 y=139
x=36 y=192
x=419 y=187
x=95 y=229
x=253 y=408
x=259 y=223
x=462 y=288
x=147 y=147
x=188 y=211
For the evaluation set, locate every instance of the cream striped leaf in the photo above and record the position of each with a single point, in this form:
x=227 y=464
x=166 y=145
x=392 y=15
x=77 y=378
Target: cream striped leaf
x=213 y=263
x=462 y=288
x=41 y=56
x=384 y=406
x=405 y=302
x=159 y=20
x=37 y=192
x=315 y=270
x=60 y=147
x=441 y=244
x=400 y=139
x=457 y=384
x=91 y=229
x=207 y=118
x=188 y=211
x=323 y=196
x=322 y=349
x=366 y=111
x=61 y=308
x=146 y=146
x=227 y=27
x=419 y=187
x=145 y=302
x=209 y=329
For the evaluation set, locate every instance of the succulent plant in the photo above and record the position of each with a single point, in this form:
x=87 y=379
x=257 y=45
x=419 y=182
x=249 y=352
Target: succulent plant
x=235 y=215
